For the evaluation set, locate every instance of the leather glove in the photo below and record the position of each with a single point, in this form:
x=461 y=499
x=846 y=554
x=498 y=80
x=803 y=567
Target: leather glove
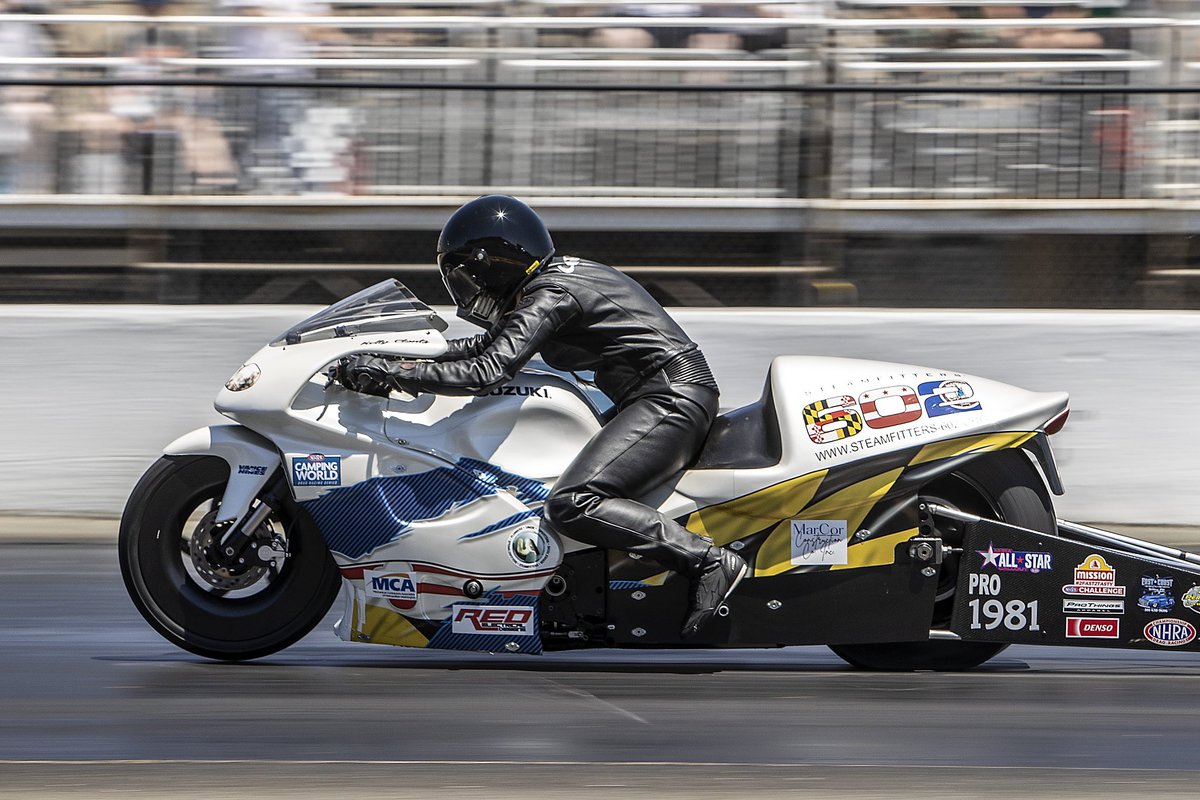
x=367 y=374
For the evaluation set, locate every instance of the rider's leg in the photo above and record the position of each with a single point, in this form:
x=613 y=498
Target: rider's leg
x=651 y=439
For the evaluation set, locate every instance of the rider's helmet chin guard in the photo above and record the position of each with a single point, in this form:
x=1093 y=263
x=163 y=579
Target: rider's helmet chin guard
x=488 y=250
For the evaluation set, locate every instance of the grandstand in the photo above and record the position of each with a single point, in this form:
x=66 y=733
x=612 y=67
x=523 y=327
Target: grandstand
x=761 y=153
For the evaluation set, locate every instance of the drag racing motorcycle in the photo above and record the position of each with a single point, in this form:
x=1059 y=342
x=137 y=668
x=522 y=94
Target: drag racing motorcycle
x=899 y=514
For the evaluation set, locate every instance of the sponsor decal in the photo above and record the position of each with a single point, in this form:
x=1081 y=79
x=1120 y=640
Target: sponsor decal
x=818 y=541
x=894 y=405
x=1093 y=628
x=1191 y=599
x=399 y=587
x=317 y=470
x=1156 y=593
x=948 y=397
x=831 y=419
x=894 y=436
x=251 y=469
x=1169 y=632
x=1094 y=606
x=493 y=619
x=529 y=547
x=1008 y=560
x=521 y=391
x=1095 y=577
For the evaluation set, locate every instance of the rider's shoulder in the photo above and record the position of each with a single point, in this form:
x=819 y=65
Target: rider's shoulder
x=566 y=270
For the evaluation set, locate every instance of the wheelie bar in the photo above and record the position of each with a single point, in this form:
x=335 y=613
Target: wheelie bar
x=1073 y=531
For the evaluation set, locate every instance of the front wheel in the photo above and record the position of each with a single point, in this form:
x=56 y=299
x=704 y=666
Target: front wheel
x=1003 y=486
x=230 y=612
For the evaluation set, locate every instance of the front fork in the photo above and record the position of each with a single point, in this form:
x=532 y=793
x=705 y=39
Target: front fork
x=238 y=546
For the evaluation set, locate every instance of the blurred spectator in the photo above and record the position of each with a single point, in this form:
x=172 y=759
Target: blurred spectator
x=167 y=129
x=25 y=111
x=259 y=118
x=716 y=37
x=1044 y=38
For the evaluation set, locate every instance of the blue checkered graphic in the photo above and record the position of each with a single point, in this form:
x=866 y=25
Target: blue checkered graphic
x=528 y=490
x=359 y=519
x=618 y=586
x=504 y=523
x=446 y=639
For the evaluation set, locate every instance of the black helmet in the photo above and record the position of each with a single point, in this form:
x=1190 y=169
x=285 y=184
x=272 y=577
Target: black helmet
x=487 y=251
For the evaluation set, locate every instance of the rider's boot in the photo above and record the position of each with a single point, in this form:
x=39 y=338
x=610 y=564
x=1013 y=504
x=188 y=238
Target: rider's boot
x=718 y=576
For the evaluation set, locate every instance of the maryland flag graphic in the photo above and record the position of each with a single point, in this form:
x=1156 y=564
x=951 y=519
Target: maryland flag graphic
x=831 y=419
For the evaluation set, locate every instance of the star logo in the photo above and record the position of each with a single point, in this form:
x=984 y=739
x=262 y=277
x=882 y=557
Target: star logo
x=990 y=556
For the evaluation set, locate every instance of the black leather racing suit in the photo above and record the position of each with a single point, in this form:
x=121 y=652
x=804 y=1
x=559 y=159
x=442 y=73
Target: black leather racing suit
x=582 y=315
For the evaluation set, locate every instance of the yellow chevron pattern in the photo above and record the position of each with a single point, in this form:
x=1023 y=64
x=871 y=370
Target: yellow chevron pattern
x=742 y=516
x=851 y=504
x=380 y=625
x=774 y=507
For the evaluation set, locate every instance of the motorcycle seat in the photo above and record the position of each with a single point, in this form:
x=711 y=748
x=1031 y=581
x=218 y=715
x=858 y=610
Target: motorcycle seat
x=744 y=438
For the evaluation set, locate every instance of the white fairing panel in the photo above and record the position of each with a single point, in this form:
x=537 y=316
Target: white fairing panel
x=837 y=410
x=834 y=411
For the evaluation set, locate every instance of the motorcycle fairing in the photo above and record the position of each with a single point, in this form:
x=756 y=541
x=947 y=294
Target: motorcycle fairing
x=879 y=591
x=849 y=493
x=359 y=519
x=434 y=492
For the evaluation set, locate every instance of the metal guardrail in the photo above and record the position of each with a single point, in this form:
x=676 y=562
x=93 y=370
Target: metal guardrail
x=826 y=114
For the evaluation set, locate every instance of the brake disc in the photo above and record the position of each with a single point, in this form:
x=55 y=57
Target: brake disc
x=249 y=571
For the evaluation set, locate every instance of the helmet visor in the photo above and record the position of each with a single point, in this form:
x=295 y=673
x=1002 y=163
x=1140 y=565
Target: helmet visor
x=461 y=284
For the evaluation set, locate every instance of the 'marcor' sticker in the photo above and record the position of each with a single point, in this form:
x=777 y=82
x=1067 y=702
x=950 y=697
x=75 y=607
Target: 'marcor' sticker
x=818 y=542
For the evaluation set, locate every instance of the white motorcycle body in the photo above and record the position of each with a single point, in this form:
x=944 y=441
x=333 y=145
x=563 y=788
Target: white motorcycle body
x=431 y=505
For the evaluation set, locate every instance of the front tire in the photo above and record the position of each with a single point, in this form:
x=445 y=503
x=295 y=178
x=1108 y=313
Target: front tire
x=1003 y=486
x=229 y=614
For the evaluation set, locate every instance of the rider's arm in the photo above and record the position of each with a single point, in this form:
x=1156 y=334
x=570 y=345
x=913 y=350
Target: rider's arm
x=536 y=318
x=468 y=347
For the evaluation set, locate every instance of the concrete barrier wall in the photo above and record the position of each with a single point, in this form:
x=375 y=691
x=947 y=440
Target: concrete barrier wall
x=94 y=392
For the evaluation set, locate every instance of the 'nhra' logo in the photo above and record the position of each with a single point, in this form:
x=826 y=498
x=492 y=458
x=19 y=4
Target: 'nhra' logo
x=493 y=619
x=1169 y=632
x=317 y=470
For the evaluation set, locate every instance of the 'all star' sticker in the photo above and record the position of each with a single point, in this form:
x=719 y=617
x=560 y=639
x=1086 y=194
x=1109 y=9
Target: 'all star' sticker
x=990 y=556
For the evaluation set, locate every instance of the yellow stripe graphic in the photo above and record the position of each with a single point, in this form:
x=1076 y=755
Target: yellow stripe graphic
x=970 y=444
x=851 y=504
x=387 y=626
x=730 y=521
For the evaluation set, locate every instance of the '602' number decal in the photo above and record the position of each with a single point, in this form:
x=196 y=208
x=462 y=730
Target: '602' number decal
x=1015 y=615
x=842 y=416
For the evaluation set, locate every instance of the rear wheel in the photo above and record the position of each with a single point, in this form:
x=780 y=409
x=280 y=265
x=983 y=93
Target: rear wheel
x=187 y=594
x=1004 y=486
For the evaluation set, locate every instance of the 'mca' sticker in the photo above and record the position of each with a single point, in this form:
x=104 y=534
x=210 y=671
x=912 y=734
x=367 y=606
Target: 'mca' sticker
x=317 y=470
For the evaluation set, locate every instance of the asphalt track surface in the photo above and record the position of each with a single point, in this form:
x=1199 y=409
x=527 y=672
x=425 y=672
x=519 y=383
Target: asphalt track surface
x=93 y=703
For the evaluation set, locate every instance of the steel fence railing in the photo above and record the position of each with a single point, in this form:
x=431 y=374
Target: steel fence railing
x=854 y=109
x=240 y=136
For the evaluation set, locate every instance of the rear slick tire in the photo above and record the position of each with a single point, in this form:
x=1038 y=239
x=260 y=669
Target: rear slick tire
x=199 y=615
x=1003 y=486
